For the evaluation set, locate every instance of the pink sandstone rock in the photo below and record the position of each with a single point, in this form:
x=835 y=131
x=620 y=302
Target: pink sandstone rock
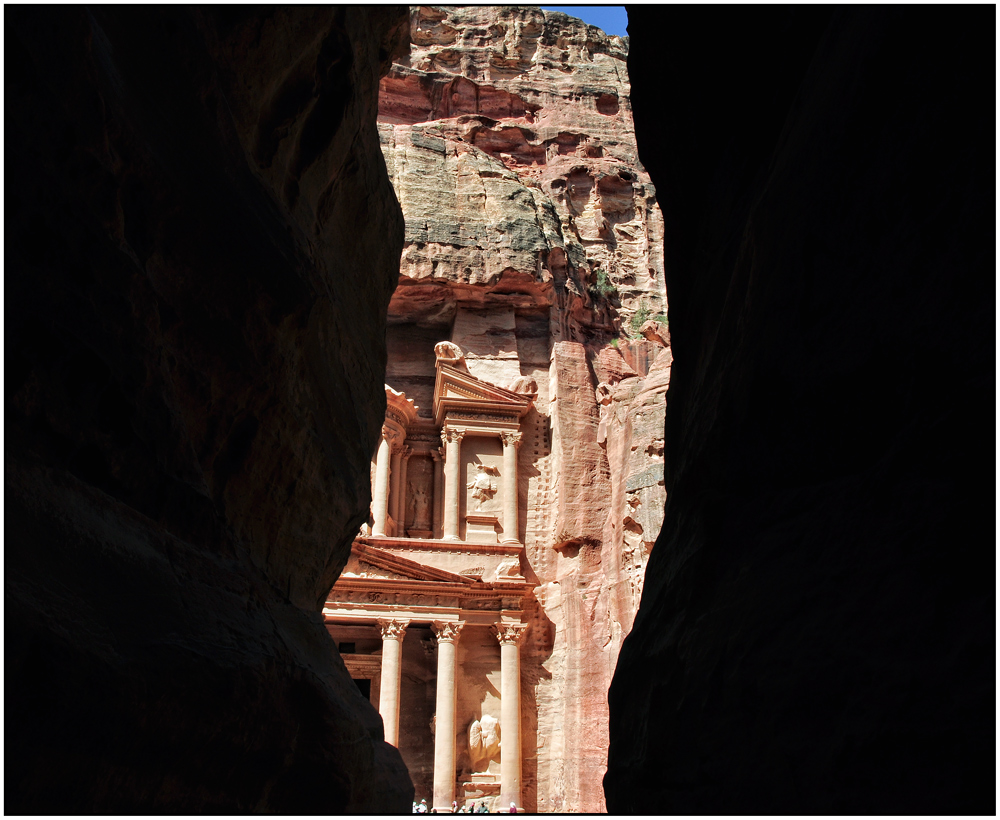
x=533 y=237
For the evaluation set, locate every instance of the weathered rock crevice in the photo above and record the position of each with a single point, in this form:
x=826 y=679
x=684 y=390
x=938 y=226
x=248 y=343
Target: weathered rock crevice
x=816 y=627
x=201 y=254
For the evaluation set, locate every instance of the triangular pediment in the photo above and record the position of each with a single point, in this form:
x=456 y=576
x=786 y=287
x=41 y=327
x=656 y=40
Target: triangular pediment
x=457 y=389
x=369 y=562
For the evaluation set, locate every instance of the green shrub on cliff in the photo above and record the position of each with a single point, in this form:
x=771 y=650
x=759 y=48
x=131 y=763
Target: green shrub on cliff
x=603 y=287
x=639 y=318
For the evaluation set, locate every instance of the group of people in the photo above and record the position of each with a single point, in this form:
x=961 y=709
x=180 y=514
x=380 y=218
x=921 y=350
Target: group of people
x=476 y=808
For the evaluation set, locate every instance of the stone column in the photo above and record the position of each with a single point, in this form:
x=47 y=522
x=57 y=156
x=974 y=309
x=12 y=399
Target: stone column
x=438 y=499
x=511 y=441
x=404 y=460
x=380 y=495
x=393 y=631
x=452 y=486
x=397 y=453
x=510 y=636
x=444 y=720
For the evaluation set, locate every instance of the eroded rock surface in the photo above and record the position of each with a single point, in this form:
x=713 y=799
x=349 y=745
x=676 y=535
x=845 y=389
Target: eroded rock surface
x=198 y=263
x=508 y=136
x=533 y=243
x=816 y=633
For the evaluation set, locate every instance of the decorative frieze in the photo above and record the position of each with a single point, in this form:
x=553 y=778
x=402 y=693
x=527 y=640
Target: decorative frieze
x=502 y=418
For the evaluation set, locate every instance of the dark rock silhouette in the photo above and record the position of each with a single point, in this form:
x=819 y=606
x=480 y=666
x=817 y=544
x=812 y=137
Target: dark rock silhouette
x=201 y=242
x=816 y=633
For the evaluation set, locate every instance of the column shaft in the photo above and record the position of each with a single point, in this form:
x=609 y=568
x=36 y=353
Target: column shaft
x=510 y=443
x=510 y=713
x=392 y=668
x=444 y=721
x=438 y=498
x=380 y=496
x=404 y=461
x=452 y=484
x=394 y=492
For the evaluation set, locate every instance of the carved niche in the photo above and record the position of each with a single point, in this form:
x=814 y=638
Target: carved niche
x=419 y=497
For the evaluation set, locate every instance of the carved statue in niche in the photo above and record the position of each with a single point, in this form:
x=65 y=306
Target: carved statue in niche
x=420 y=504
x=483 y=486
x=484 y=742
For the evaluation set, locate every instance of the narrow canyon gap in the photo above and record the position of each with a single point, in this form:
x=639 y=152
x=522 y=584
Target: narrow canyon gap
x=816 y=632
x=518 y=486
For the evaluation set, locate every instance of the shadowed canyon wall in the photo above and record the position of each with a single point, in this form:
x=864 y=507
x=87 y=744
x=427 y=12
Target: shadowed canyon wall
x=534 y=242
x=816 y=632
x=201 y=243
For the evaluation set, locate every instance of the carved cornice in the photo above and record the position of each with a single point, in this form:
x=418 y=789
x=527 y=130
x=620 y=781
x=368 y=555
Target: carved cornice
x=447 y=631
x=511 y=438
x=392 y=628
x=510 y=633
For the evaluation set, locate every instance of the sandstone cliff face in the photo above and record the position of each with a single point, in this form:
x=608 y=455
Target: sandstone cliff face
x=816 y=627
x=199 y=261
x=533 y=241
x=508 y=136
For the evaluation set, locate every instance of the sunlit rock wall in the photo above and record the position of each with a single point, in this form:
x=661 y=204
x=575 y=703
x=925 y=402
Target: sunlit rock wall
x=817 y=626
x=533 y=241
x=201 y=243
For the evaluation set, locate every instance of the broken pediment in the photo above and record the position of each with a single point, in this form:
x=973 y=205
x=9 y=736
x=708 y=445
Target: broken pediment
x=459 y=394
x=371 y=563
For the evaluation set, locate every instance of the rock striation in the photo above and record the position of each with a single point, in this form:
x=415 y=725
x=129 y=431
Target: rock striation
x=533 y=243
x=201 y=254
x=816 y=632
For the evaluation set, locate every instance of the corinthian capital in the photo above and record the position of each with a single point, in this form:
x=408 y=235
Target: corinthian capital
x=392 y=628
x=392 y=436
x=511 y=438
x=447 y=631
x=448 y=434
x=510 y=633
